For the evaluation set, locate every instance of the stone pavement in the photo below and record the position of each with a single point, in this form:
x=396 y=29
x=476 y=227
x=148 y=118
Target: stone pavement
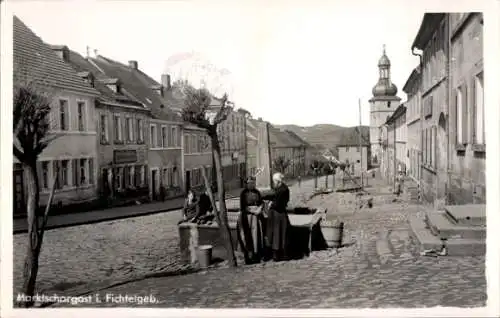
x=380 y=266
x=80 y=257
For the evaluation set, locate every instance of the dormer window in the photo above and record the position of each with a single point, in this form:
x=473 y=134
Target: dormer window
x=87 y=77
x=113 y=84
x=62 y=51
x=158 y=89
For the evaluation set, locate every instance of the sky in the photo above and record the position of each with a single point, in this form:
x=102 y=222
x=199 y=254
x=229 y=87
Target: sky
x=299 y=62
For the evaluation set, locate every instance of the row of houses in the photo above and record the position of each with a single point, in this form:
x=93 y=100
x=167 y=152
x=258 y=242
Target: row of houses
x=120 y=133
x=438 y=135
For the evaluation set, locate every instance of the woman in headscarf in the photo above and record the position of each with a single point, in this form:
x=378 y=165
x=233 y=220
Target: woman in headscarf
x=249 y=226
x=277 y=226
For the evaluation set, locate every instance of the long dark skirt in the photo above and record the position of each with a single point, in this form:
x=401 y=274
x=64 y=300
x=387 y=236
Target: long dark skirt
x=277 y=230
x=250 y=236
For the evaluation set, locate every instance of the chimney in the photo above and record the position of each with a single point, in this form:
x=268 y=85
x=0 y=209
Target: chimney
x=133 y=65
x=165 y=81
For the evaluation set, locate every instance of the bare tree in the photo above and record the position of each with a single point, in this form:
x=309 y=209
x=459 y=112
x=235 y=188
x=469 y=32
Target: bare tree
x=280 y=163
x=198 y=112
x=31 y=112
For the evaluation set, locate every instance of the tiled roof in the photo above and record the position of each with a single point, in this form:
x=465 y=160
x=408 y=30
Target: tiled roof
x=139 y=85
x=350 y=137
x=85 y=68
x=296 y=137
x=35 y=61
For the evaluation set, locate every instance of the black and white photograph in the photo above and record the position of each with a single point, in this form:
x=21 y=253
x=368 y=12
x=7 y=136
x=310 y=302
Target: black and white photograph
x=249 y=155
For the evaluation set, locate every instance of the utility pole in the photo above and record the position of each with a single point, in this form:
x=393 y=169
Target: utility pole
x=360 y=144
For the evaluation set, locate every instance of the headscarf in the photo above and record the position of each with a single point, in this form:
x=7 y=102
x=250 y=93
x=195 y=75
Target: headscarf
x=278 y=177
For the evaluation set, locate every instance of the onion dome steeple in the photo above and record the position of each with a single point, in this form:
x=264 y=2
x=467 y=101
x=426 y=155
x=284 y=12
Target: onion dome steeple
x=384 y=86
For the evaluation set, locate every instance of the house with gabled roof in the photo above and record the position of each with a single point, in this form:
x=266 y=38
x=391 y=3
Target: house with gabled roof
x=122 y=120
x=355 y=151
x=163 y=132
x=73 y=153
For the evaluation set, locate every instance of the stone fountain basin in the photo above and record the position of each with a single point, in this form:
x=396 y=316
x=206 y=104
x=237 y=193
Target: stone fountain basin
x=303 y=220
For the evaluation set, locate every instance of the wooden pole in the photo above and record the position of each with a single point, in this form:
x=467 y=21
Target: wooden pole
x=360 y=143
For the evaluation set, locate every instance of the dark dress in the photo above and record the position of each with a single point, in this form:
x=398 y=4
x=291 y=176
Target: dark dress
x=249 y=226
x=277 y=222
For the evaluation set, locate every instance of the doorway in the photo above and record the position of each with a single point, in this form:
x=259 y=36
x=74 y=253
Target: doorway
x=188 y=180
x=154 y=183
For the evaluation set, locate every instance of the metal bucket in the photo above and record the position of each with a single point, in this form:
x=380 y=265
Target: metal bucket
x=204 y=255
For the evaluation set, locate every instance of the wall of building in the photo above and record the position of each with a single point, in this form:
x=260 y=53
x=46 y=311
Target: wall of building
x=352 y=155
x=380 y=110
x=165 y=157
x=71 y=146
x=434 y=110
x=401 y=139
x=117 y=155
x=467 y=159
x=413 y=112
x=195 y=157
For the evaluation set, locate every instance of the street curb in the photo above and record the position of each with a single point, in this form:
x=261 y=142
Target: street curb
x=106 y=219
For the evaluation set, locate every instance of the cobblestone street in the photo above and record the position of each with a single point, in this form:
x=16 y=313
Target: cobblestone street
x=87 y=255
x=380 y=266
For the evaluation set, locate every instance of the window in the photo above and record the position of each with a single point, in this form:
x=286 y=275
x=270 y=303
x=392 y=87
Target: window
x=91 y=170
x=81 y=116
x=459 y=116
x=119 y=178
x=140 y=130
x=104 y=129
x=83 y=171
x=131 y=176
x=129 y=128
x=186 y=144
x=45 y=175
x=479 y=129
x=172 y=142
x=143 y=175
x=117 y=123
x=153 y=136
x=164 y=137
x=63 y=114
x=64 y=173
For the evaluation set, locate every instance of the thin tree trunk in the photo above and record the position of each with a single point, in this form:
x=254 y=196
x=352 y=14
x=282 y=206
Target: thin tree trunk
x=36 y=231
x=326 y=181
x=32 y=253
x=223 y=226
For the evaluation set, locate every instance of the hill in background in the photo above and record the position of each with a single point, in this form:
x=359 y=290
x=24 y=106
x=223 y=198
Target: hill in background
x=326 y=136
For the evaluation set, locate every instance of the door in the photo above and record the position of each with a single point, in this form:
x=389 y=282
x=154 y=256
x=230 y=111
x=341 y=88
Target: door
x=188 y=180
x=154 y=184
x=19 y=205
x=105 y=182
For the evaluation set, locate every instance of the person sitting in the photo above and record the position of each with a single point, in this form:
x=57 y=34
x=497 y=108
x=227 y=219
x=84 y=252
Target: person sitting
x=190 y=210
x=205 y=209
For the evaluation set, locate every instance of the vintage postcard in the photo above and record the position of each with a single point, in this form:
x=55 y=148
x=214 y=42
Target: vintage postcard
x=315 y=157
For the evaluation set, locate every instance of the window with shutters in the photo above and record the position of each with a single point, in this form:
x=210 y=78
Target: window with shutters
x=479 y=127
x=81 y=115
x=83 y=171
x=186 y=144
x=63 y=114
x=104 y=129
x=129 y=129
x=117 y=128
x=64 y=173
x=140 y=130
x=164 y=137
x=461 y=115
x=45 y=175
x=153 y=136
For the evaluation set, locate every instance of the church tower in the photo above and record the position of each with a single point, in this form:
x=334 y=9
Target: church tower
x=382 y=105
